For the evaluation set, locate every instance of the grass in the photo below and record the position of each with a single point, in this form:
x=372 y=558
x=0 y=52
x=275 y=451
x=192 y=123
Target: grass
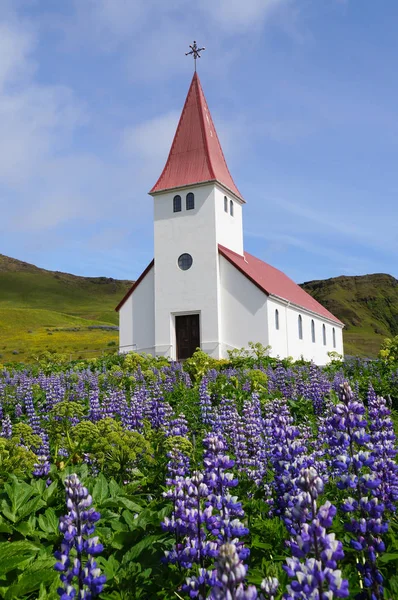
x=50 y=311
x=27 y=333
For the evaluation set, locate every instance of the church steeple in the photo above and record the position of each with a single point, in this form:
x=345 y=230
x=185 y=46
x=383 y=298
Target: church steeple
x=196 y=155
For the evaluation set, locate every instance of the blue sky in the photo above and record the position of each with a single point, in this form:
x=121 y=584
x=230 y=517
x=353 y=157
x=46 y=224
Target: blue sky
x=303 y=94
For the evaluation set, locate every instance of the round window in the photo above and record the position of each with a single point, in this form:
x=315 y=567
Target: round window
x=185 y=262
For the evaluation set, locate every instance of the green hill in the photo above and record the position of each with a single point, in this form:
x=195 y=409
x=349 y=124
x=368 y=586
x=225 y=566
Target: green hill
x=367 y=305
x=48 y=310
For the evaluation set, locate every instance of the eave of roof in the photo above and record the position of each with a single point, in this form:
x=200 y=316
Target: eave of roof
x=274 y=283
x=135 y=285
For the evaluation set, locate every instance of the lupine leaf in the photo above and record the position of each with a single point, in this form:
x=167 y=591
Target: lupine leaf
x=14 y=553
x=101 y=490
x=40 y=572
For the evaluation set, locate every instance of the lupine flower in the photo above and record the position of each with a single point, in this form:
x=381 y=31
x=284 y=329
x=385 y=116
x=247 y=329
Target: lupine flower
x=6 y=427
x=231 y=573
x=353 y=460
x=205 y=404
x=317 y=576
x=287 y=455
x=269 y=588
x=79 y=571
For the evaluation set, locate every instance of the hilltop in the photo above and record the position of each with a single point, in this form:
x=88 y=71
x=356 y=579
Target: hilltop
x=78 y=312
x=367 y=305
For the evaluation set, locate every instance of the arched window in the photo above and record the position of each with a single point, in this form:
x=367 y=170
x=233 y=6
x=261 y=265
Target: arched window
x=225 y=204
x=300 y=327
x=324 y=334
x=177 y=204
x=334 y=338
x=276 y=319
x=231 y=208
x=190 y=201
x=313 y=330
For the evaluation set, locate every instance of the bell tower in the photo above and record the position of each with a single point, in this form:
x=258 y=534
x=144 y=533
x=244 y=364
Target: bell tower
x=197 y=206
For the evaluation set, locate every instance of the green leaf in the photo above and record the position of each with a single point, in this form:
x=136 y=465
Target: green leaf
x=32 y=506
x=40 y=573
x=5 y=527
x=130 y=518
x=14 y=553
x=128 y=504
x=7 y=512
x=101 y=490
x=49 y=522
x=18 y=493
x=50 y=491
x=24 y=528
x=114 y=488
x=386 y=558
x=110 y=567
x=136 y=550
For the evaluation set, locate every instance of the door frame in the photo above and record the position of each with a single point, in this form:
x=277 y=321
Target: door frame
x=173 y=336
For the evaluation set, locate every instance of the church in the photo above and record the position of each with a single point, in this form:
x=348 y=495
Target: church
x=202 y=290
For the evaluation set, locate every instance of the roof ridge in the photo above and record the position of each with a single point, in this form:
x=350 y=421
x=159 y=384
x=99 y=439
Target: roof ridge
x=202 y=122
x=218 y=141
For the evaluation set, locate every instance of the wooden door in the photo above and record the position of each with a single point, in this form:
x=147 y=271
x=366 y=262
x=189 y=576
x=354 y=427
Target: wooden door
x=187 y=335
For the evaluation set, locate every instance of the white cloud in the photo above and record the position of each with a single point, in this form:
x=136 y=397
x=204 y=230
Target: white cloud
x=239 y=16
x=151 y=140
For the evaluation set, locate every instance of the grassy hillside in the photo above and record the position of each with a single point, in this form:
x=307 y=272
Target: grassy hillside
x=368 y=305
x=47 y=310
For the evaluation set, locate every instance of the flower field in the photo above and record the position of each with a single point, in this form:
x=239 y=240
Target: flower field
x=130 y=477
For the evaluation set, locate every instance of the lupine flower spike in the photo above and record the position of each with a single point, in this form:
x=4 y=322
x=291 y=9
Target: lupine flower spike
x=80 y=576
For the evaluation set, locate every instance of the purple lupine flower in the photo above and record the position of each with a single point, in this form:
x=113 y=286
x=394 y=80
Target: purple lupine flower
x=352 y=458
x=33 y=419
x=6 y=427
x=137 y=403
x=383 y=441
x=18 y=410
x=253 y=425
x=177 y=427
x=78 y=546
x=42 y=467
x=269 y=588
x=231 y=574
x=287 y=455
x=206 y=408
x=314 y=392
x=317 y=576
x=224 y=523
x=94 y=405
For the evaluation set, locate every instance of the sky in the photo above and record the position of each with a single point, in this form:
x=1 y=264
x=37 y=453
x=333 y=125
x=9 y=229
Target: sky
x=303 y=94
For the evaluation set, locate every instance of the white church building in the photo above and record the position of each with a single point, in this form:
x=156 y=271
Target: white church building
x=202 y=290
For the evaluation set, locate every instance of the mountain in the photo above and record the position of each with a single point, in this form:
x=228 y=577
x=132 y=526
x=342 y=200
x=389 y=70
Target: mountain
x=367 y=305
x=78 y=312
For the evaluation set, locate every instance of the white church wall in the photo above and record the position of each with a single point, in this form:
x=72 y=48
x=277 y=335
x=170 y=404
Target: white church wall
x=243 y=310
x=126 y=326
x=286 y=341
x=192 y=291
x=229 y=227
x=136 y=324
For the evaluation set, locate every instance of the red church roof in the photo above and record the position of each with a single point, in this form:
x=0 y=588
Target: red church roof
x=196 y=155
x=274 y=282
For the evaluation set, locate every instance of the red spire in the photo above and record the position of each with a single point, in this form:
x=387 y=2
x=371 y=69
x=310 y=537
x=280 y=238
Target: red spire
x=196 y=155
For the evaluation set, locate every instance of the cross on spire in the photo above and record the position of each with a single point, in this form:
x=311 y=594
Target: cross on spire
x=195 y=51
